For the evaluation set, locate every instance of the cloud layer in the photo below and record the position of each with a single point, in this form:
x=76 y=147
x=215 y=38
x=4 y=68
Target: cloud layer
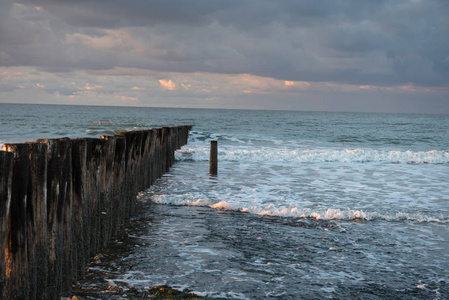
x=377 y=44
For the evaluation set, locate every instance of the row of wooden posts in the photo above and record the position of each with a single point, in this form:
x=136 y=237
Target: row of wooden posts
x=61 y=200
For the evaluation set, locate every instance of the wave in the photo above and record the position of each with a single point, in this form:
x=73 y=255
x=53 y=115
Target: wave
x=304 y=156
x=317 y=213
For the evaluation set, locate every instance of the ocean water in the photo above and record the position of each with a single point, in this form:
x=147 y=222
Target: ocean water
x=306 y=205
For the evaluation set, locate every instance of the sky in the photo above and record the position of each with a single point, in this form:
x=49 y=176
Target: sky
x=326 y=55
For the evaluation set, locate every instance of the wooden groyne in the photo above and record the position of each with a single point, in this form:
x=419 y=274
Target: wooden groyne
x=61 y=200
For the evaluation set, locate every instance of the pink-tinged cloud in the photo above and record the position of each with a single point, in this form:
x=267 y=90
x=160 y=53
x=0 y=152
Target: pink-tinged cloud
x=112 y=41
x=87 y=87
x=366 y=87
x=407 y=87
x=127 y=98
x=415 y=88
x=248 y=84
x=298 y=84
x=167 y=84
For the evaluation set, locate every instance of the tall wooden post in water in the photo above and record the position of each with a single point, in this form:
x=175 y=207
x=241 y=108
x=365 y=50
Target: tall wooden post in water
x=213 y=167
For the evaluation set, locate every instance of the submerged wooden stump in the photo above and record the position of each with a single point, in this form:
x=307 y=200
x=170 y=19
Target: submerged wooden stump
x=213 y=166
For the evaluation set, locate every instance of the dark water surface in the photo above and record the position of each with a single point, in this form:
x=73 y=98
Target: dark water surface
x=228 y=254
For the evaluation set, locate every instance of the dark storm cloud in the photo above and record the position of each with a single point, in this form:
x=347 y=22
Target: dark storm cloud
x=242 y=14
x=355 y=42
x=116 y=13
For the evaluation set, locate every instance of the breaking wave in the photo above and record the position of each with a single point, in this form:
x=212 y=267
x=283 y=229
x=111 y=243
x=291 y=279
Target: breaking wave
x=317 y=213
x=304 y=156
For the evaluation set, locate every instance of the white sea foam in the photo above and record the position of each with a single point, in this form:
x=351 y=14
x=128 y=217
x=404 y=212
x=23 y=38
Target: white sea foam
x=317 y=213
x=305 y=156
x=268 y=182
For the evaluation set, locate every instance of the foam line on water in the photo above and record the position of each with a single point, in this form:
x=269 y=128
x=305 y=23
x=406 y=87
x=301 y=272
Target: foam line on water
x=317 y=213
x=316 y=155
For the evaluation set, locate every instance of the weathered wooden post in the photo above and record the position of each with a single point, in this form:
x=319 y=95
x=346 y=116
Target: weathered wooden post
x=106 y=176
x=6 y=163
x=16 y=285
x=37 y=235
x=158 y=153
x=118 y=174
x=59 y=215
x=152 y=155
x=130 y=171
x=138 y=148
x=80 y=206
x=164 y=138
x=95 y=152
x=213 y=166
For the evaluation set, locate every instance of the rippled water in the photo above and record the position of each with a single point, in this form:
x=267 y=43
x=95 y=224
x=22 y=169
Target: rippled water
x=305 y=205
x=228 y=254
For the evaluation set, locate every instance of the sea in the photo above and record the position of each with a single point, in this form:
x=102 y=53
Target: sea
x=305 y=205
